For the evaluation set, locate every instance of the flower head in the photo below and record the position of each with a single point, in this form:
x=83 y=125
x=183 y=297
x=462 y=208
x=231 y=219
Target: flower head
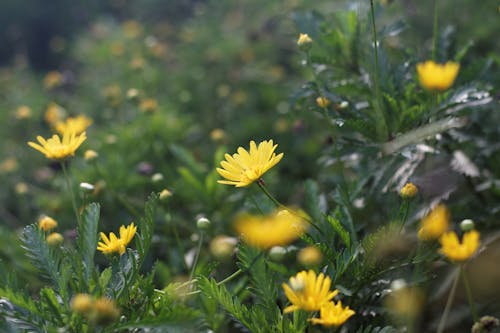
x=437 y=77
x=304 y=42
x=333 y=314
x=310 y=256
x=114 y=244
x=57 y=149
x=279 y=228
x=55 y=239
x=323 y=102
x=308 y=292
x=244 y=167
x=408 y=191
x=456 y=251
x=52 y=79
x=73 y=124
x=435 y=223
x=47 y=223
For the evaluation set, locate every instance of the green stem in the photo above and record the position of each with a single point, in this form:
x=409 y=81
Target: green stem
x=469 y=293
x=72 y=193
x=197 y=256
x=435 y=32
x=403 y=212
x=447 y=308
x=381 y=125
x=260 y=182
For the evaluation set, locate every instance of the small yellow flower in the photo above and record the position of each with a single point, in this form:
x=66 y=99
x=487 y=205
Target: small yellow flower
x=21 y=188
x=435 y=223
x=115 y=244
x=76 y=124
x=23 y=112
x=437 y=77
x=456 y=251
x=217 y=134
x=243 y=168
x=165 y=194
x=8 y=165
x=310 y=256
x=323 y=102
x=52 y=79
x=54 y=113
x=57 y=149
x=148 y=105
x=55 y=239
x=333 y=314
x=81 y=303
x=408 y=191
x=308 y=292
x=104 y=310
x=90 y=155
x=222 y=246
x=280 y=228
x=47 y=223
x=304 y=42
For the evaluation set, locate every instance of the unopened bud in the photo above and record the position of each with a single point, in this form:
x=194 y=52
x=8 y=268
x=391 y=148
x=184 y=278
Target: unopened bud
x=81 y=303
x=86 y=187
x=277 y=253
x=222 y=247
x=157 y=177
x=408 y=191
x=304 y=42
x=55 y=239
x=165 y=194
x=203 y=223
x=47 y=223
x=467 y=225
x=90 y=155
x=322 y=102
x=310 y=256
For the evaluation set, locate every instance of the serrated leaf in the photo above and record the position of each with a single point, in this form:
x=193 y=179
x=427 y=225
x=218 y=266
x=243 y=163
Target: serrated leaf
x=87 y=238
x=340 y=230
x=146 y=227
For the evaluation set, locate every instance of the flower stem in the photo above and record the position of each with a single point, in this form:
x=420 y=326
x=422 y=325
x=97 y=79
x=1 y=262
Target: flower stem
x=72 y=193
x=197 y=256
x=469 y=293
x=447 y=308
x=260 y=182
x=435 y=32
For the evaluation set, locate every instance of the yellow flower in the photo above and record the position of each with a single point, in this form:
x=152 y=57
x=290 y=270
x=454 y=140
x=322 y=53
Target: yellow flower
x=435 y=223
x=73 y=124
x=148 y=105
x=55 y=239
x=437 y=77
x=47 y=223
x=310 y=256
x=104 y=310
x=408 y=191
x=8 y=165
x=54 y=113
x=23 y=112
x=322 y=102
x=333 y=314
x=57 y=149
x=52 y=79
x=304 y=42
x=264 y=232
x=81 y=303
x=308 y=292
x=456 y=251
x=90 y=155
x=115 y=244
x=243 y=168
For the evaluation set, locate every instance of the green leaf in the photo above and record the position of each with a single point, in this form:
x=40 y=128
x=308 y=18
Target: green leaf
x=146 y=227
x=50 y=305
x=87 y=238
x=340 y=230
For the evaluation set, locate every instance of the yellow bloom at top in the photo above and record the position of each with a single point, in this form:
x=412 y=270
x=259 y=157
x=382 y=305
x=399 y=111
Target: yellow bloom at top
x=333 y=314
x=264 y=232
x=456 y=251
x=308 y=292
x=304 y=42
x=408 y=191
x=244 y=167
x=76 y=124
x=435 y=223
x=437 y=77
x=47 y=223
x=57 y=149
x=115 y=244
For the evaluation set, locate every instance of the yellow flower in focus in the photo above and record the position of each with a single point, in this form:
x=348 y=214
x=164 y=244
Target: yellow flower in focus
x=243 y=168
x=408 y=191
x=148 y=105
x=23 y=112
x=437 y=77
x=55 y=239
x=264 y=232
x=54 y=113
x=57 y=149
x=47 y=223
x=308 y=292
x=76 y=124
x=456 y=251
x=52 y=79
x=304 y=42
x=115 y=244
x=333 y=314
x=323 y=102
x=435 y=223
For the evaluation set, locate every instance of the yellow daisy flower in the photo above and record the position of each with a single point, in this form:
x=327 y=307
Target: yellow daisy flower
x=435 y=223
x=456 y=251
x=57 y=149
x=245 y=167
x=115 y=244
x=279 y=228
x=47 y=223
x=333 y=314
x=437 y=77
x=308 y=292
x=73 y=124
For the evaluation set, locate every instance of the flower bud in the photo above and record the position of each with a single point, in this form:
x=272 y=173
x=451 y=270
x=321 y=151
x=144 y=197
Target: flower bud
x=157 y=177
x=310 y=256
x=408 y=191
x=47 y=223
x=81 y=303
x=222 y=247
x=323 y=102
x=55 y=239
x=105 y=310
x=203 y=223
x=277 y=253
x=467 y=225
x=304 y=42
x=165 y=194
x=90 y=155
x=86 y=187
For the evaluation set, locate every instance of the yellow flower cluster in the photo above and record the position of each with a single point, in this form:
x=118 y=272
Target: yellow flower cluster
x=244 y=167
x=114 y=244
x=279 y=228
x=310 y=292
